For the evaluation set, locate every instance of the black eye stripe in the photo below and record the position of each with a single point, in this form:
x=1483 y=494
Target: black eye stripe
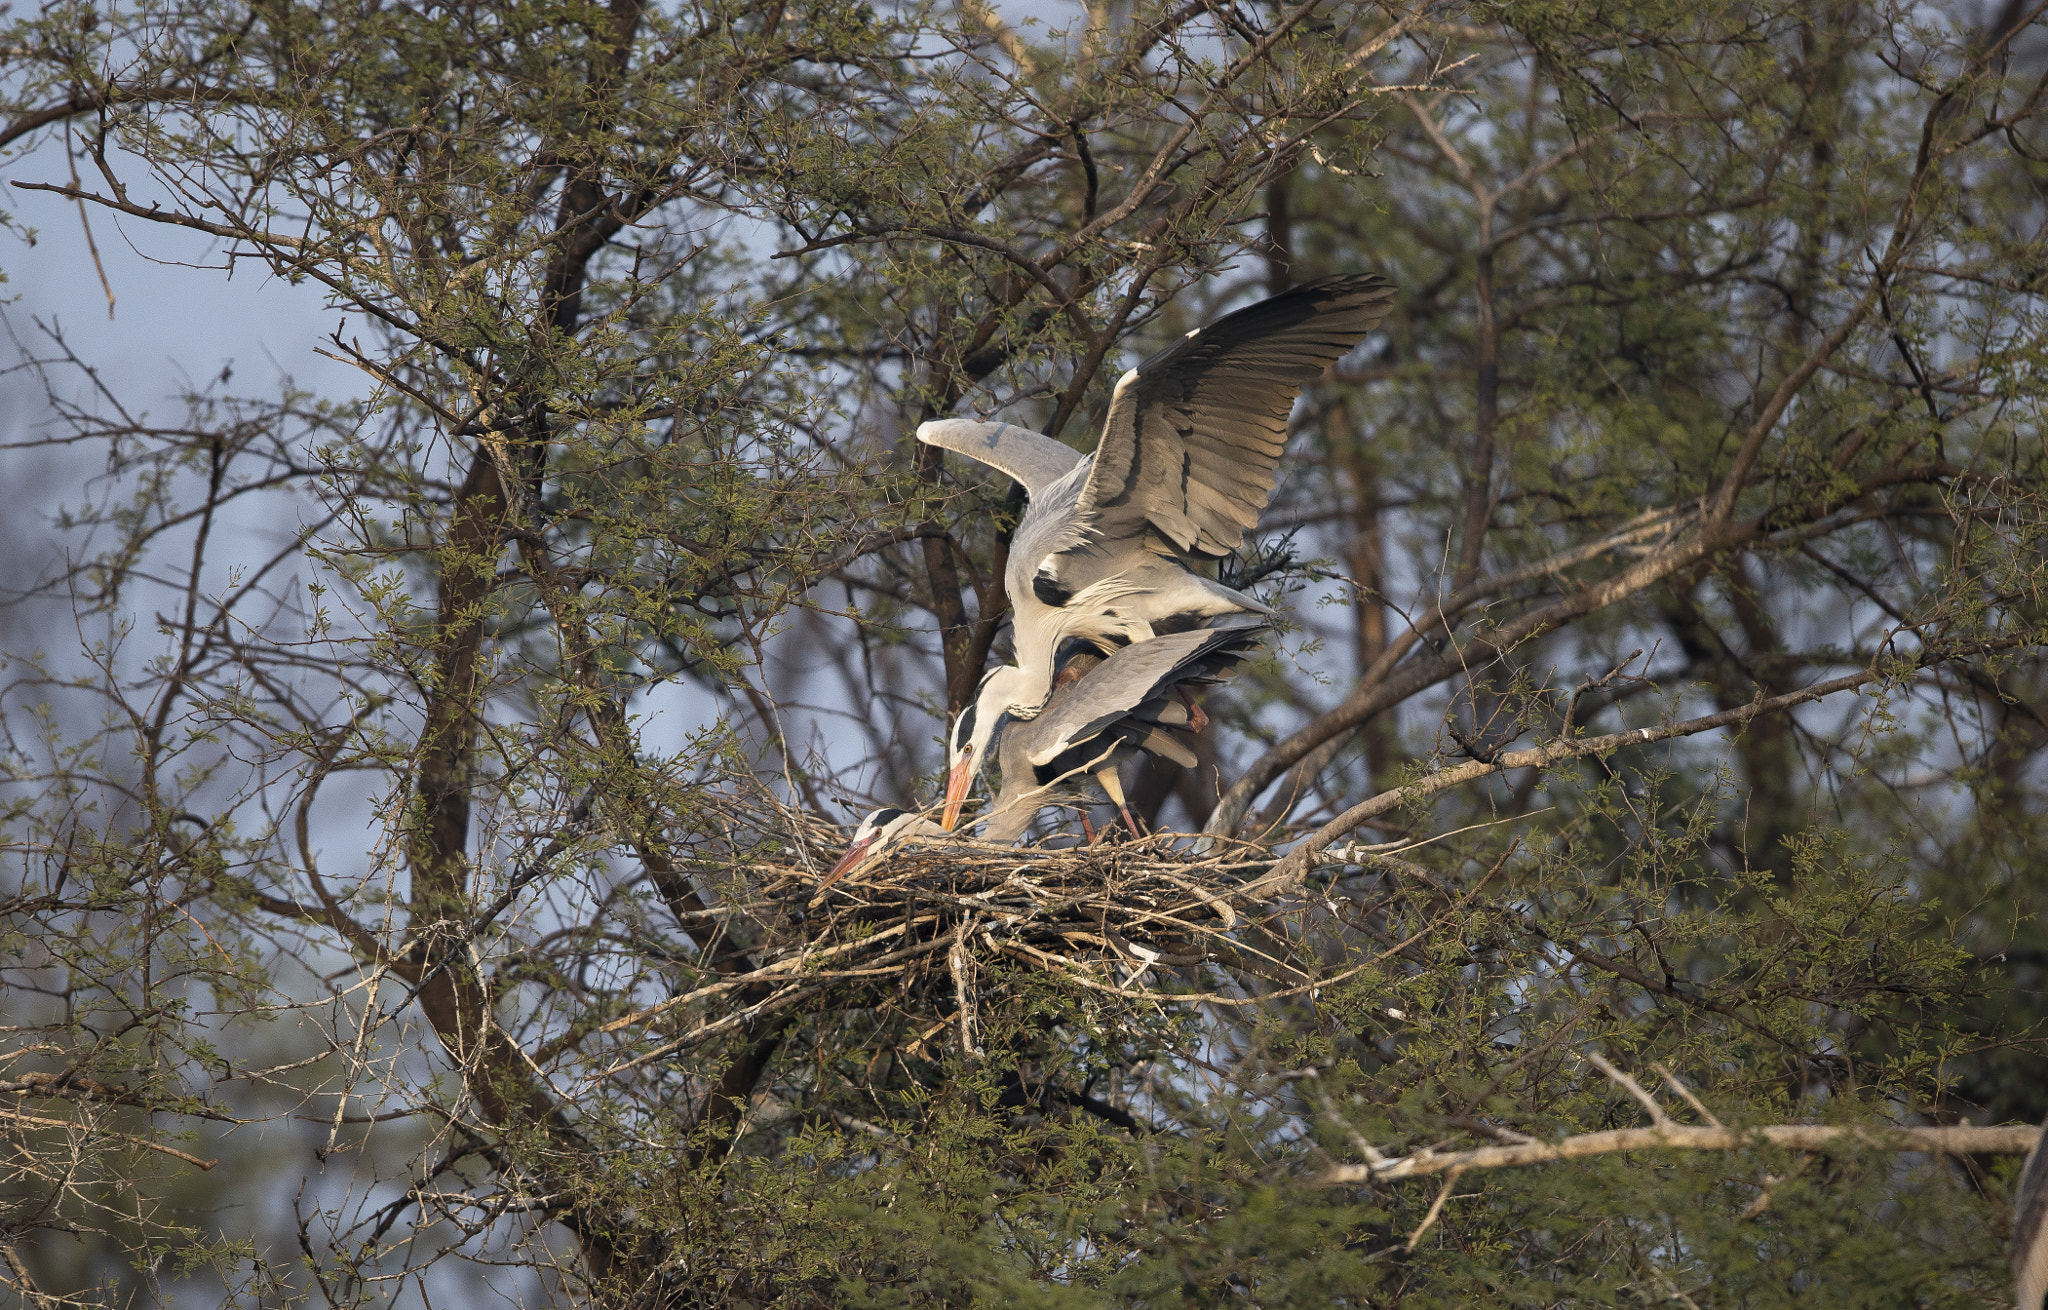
x=963 y=731
x=883 y=818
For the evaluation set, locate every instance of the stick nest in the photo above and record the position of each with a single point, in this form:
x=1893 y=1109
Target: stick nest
x=920 y=928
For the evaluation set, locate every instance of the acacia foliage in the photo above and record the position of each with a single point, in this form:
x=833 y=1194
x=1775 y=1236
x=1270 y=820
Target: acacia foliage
x=1712 y=379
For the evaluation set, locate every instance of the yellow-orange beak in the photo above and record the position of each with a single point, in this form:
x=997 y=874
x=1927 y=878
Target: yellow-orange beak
x=854 y=855
x=956 y=789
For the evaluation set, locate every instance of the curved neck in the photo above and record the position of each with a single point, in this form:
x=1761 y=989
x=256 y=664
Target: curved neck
x=1018 y=689
x=1037 y=630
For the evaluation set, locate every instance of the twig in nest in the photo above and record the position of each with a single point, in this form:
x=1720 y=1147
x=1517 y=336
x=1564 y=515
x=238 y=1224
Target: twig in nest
x=957 y=965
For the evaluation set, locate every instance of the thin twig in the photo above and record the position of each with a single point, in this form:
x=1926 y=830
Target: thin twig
x=1631 y=1086
x=40 y=1122
x=1436 y=1208
x=1678 y=1085
x=963 y=992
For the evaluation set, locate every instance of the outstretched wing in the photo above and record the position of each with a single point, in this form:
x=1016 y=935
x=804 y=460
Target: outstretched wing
x=1139 y=672
x=1194 y=433
x=1032 y=458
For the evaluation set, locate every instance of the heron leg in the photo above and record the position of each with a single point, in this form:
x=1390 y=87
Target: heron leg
x=1114 y=785
x=1196 y=719
x=1087 y=828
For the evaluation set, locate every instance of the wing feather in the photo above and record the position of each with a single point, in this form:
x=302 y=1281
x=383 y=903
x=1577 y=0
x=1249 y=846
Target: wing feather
x=1109 y=693
x=1194 y=434
x=1165 y=745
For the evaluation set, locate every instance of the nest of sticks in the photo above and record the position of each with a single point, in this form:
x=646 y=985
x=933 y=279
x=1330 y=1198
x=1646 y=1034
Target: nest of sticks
x=930 y=921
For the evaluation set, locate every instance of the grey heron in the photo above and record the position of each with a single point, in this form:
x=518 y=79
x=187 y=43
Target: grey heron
x=880 y=832
x=1101 y=712
x=1107 y=549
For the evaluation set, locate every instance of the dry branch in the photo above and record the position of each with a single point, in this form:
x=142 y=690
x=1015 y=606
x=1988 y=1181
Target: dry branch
x=1964 y=1139
x=39 y=1121
x=1664 y=1134
x=1304 y=855
x=2030 y=1232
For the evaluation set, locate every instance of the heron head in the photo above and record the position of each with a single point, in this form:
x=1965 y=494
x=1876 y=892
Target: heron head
x=876 y=834
x=1003 y=689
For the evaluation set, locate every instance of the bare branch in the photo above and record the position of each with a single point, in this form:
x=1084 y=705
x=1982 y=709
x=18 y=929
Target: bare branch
x=1302 y=857
x=2015 y=1139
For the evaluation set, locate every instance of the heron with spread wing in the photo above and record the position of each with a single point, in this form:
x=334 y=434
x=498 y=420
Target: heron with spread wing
x=1108 y=548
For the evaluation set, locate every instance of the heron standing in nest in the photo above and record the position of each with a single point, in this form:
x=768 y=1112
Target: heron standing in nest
x=1108 y=548
x=1101 y=713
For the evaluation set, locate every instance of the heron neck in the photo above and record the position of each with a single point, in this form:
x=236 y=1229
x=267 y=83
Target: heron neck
x=1034 y=668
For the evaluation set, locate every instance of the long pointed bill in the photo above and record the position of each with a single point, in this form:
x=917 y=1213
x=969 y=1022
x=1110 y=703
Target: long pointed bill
x=854 y=855
x=957 y=783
